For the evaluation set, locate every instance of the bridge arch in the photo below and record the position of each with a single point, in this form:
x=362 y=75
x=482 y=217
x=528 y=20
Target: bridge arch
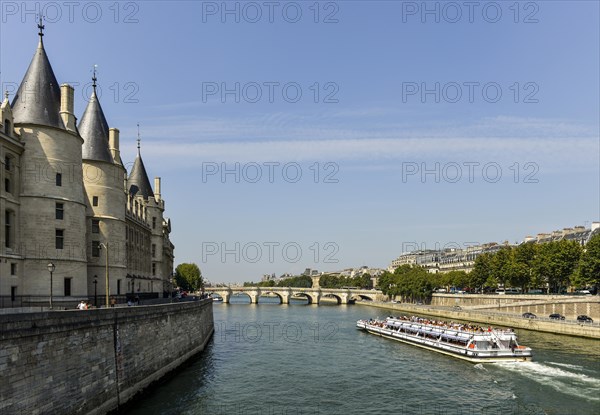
x=332 y=296
x=268 y=294
x=236 y=296
x=305 y=296
x=362 y=297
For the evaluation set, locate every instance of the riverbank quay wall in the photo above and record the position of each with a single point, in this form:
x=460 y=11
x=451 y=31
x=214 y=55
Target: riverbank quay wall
x=94 y=361
x=556 y=327
x=542 y=305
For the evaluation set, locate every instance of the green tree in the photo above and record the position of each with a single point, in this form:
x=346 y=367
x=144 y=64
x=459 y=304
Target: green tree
x=502 y=265
x=458 y=279
x=386 y=282
x=589 y=267
x=482 y=271
x=362 y=281
x=189 y=277
x=555 y=263
x=300 y=281
x=522 y=268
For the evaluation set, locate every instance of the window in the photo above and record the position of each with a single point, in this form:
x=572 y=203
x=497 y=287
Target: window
x=95 y=249
x=60 y=211
x=7 y=229
x=59 y=238
x=67 y=287
x=118 y=287
x=13 y=293
x=6 y=127
x=7 y=163
x=7 y=185
x=13 y=269
x=95 y=226
x=58 y=179
x=153 y=223
x=153 y=250
x=95 y=201
x=154 y=268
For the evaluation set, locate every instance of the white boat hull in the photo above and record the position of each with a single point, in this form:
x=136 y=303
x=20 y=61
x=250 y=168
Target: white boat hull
x=460 y=352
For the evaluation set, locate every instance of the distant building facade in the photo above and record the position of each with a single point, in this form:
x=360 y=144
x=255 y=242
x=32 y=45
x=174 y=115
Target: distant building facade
x=66 y=199
x=457 y=259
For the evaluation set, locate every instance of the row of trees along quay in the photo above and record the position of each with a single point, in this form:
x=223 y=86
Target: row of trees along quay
x=556 y=267
x=325 y=281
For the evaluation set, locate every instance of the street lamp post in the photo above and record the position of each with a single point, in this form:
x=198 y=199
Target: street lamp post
x=105 y=247
x=95 y=291
x=51 y=268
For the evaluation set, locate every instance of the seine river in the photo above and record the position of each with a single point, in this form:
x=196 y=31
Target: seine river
x=298 y=359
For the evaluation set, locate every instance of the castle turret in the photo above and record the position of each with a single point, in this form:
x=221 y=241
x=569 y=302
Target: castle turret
x=52 y=210
x=37 y=100
x=94 y=130
x=138 y=183
x=106 y=201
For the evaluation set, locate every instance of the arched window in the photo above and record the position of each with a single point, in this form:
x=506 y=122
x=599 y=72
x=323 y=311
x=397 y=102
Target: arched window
x=6 y=127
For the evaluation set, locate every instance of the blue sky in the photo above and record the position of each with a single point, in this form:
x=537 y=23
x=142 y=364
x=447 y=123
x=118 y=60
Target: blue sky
x=512 y=131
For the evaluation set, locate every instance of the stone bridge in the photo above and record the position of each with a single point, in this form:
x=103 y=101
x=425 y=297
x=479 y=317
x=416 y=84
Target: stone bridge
x=314 y=295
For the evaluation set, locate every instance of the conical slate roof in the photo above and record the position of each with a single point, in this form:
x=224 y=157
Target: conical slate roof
x=138 y=179
x=38 y=98
x=94 y=130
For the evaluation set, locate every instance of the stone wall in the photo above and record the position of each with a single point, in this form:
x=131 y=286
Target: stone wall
x=91 y=362
x=541 y=305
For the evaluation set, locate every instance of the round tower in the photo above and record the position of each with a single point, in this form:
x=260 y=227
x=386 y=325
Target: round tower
x=103 y=175
x=52 y=199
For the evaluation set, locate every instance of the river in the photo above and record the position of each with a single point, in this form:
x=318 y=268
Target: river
x=273 y=359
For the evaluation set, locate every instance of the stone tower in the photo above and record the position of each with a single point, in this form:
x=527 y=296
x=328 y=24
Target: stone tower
x=103 y=179
x=150 y=208
x=52 y=212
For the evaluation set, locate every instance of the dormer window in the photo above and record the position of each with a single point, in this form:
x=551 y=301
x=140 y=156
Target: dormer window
x=6 y=127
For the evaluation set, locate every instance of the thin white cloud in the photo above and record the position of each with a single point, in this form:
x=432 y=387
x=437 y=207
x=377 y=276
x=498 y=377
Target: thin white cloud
x=284 y=137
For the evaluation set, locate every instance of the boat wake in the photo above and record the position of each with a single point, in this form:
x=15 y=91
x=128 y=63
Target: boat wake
x=479 y=366
x=559 y=378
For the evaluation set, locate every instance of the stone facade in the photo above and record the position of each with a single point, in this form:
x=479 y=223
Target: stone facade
x=75 y=362
x=67 y=199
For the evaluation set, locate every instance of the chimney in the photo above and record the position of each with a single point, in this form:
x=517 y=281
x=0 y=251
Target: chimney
x=67 y=106
x=157 y=188
x=113 y=145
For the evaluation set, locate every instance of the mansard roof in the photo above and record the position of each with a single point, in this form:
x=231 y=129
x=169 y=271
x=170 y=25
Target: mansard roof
x=94 y=130
x=138 y=179
x=37 y=100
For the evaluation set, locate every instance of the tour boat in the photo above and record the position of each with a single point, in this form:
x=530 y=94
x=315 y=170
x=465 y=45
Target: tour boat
x=464 y=341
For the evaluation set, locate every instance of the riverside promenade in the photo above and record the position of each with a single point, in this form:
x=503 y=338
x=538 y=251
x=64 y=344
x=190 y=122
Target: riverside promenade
x=568 y=328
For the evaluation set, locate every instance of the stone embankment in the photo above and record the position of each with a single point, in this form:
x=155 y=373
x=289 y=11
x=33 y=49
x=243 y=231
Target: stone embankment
x=94 y=361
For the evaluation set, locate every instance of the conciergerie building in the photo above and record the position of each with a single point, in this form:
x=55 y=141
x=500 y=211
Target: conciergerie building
x=67 y=200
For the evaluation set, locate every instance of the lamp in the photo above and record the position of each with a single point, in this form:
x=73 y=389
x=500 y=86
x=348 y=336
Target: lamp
x=51 y=268
x=105 y=247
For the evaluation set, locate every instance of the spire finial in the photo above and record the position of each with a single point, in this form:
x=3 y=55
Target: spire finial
x=138 y=139
x=94 y=79
x=41 y=26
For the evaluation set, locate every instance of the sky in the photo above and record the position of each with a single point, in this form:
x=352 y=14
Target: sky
x=335 y=134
